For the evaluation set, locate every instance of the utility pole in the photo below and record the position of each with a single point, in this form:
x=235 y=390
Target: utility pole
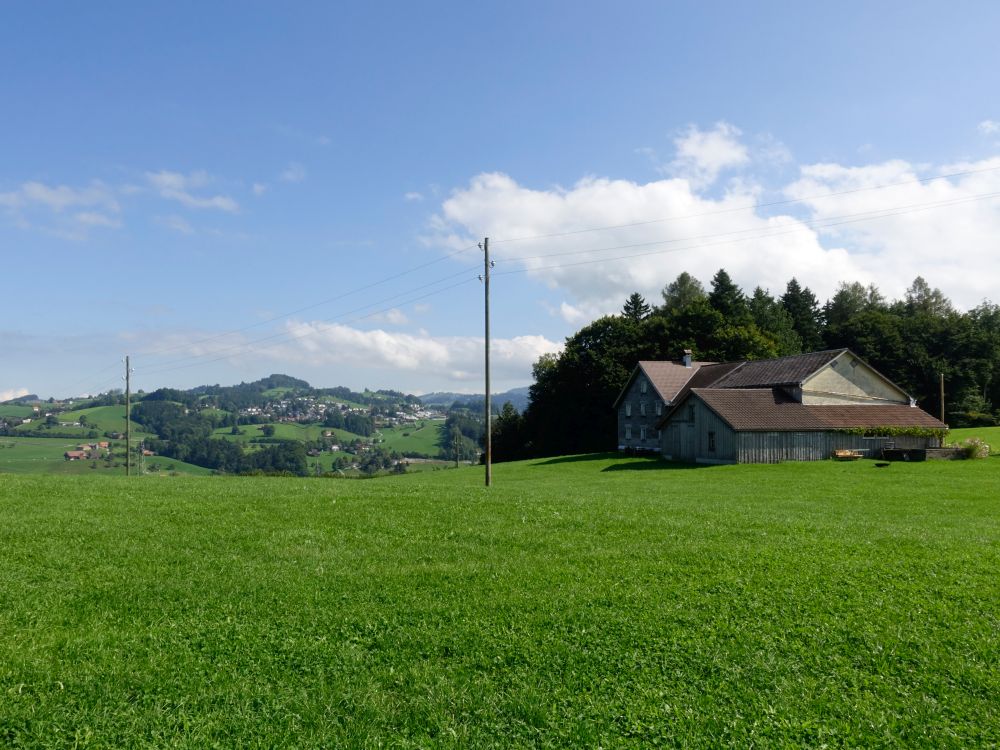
x=489 y=432
x=128 y=421
x=942 y=397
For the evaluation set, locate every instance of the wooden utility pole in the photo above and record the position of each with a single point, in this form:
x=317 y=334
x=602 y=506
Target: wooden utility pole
x=128 y=421
x=942 y=397
x=489 y=431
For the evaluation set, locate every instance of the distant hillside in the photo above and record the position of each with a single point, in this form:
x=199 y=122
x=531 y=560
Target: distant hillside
x=519 y=397
x=31 y=397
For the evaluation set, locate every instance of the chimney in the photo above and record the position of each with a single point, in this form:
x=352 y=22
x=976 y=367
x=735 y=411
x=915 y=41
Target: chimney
x=687 y=357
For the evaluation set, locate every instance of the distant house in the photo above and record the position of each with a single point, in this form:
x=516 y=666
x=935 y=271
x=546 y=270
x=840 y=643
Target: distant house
x=649 y=392
x=75 y=455
x=797 y=408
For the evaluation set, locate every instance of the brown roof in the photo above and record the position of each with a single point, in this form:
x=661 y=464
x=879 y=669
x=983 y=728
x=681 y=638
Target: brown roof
x=771 y=410
x=668 y=378
x=707 y=374
x=766 y=373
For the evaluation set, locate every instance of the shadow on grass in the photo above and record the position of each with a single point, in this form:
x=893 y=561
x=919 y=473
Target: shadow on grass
x=636 y=463
x=651 y=464
x=576 y=459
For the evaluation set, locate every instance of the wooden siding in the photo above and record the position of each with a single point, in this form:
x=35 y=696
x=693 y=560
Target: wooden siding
x=686 y=436
x=772 y=447
x=634 y=399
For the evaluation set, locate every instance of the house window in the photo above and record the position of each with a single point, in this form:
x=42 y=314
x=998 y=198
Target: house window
x=628 y=432
x=642 y=408
x=628 y=408
x=691 y=413
x=642 y=432
x=642 y=386
x=659 y=408
x=711 y=442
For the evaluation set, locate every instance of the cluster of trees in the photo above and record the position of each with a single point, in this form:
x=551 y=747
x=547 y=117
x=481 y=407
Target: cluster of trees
x=185 y=435
x=911 y=341
x=462 y=436
x=359 y=424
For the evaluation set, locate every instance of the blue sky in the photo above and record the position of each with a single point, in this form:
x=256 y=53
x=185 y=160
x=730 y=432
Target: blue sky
x=226 y=190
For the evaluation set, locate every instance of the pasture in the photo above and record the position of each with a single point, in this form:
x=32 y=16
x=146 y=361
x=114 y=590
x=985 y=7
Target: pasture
x=421 y=437
x=45 y=456
x=580 y=602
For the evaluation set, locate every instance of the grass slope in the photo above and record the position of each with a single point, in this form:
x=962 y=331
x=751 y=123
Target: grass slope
x=45 y=456
x=421 y=437
x=580 y=602
x=990 y=434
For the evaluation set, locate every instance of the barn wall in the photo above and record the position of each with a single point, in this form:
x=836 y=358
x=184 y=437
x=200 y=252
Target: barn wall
x=772 y=447
x=686 y=437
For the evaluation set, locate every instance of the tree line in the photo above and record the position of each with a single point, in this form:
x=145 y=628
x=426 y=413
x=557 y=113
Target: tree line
x=912 y=341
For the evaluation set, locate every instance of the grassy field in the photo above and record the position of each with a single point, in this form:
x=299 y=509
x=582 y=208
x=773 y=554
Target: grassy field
x=16 y=410
x=99 y=418
x=580 y=602
x=990 y=434
x=283 y=430
x=45 y=456
x=421 y=437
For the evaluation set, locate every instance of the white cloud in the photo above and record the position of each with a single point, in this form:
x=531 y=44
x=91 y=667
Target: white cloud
x=178 y=187
x=10 y=393
x=259 y=188
x=394 y=317
x=413 y=197
x=989 y=127
x=940 y=229
x=294 y=172
x=403 y=358
x=94 y=219
x=47 y=206
x=451 y=357
x=176 y=223
x=703 y=154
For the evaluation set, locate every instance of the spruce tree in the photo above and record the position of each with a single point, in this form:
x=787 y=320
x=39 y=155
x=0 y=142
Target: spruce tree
x=635 y=308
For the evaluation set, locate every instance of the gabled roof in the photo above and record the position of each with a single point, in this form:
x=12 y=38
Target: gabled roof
x=772 y=410
x=767 y=373
x=668 y=378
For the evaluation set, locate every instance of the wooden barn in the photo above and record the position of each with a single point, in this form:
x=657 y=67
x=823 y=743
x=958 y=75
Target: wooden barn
x=798 y=408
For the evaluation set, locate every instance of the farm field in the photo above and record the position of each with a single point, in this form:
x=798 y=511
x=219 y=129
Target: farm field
x=45 y=456
x=421 y=437
x=99 y=418
x=15 y=410
x=282 y=430
x=580 y=602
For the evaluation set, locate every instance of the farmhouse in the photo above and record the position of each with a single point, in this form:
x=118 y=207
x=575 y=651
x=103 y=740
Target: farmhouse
x=797 y=408
x=648 y=394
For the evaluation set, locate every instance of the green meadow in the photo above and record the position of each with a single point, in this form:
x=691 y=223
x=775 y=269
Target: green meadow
x=420 y=437
x=593 y=601
x=46 y=456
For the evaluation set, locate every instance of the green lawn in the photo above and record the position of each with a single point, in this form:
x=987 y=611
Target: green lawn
x=421 y=437
x=579 y=602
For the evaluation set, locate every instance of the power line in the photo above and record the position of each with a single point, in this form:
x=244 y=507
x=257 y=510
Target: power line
x=766 y=235
x=751 y=207
x=250 y=347
x=327 y=301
